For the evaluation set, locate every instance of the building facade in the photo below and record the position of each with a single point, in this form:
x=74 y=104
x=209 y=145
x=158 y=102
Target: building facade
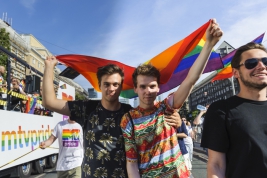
x=34 y=53
x=92 y=93
x=207 y=92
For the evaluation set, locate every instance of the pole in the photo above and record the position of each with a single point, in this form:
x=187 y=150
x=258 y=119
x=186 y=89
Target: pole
x=8 y=78
x=233 y=85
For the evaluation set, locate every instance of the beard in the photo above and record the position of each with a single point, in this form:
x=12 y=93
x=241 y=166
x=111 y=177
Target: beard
x=252 y=85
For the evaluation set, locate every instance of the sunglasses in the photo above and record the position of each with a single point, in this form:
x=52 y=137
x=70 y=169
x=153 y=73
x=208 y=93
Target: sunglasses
x=183 y=120
x=253 y=62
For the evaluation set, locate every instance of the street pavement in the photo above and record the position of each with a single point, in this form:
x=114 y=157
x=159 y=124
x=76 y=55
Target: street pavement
x=199 y=165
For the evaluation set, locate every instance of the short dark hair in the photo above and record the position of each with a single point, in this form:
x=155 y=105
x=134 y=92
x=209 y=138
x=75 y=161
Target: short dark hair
x=183 y=116
x=235 y=63
x=147 y=70
x=109 y=70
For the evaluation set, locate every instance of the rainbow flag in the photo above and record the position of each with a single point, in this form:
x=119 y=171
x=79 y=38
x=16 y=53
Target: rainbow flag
x=22 y=84
x=226 y=72
x=64 y=86
x=173 y=63
x=30 y=105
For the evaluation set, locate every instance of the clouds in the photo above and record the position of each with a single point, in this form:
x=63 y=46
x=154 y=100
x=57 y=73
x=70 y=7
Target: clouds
x=247 y=21
x=133 y=31
x=142 y=29
x=28 y=3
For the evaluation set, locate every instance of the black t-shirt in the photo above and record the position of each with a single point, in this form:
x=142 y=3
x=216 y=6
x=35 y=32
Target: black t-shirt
x=104 y=154
x=238 y=128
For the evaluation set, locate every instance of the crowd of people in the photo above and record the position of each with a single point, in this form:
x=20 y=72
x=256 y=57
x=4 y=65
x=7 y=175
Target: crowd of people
x=25 y=102
x=121 y=141
x=112 y=139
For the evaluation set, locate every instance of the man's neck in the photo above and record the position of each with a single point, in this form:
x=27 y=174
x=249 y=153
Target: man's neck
x=146 y=107
x=255 y=95
x=71 y=121
x=111 y=106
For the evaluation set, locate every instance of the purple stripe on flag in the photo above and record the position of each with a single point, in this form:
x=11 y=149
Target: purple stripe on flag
x=33 y=106
x=177 y=78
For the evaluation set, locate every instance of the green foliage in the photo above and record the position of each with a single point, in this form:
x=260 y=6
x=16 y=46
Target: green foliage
x=79 y=96
x=4 y=42
x=184 y=111
x=192 y=115
x=195 y=113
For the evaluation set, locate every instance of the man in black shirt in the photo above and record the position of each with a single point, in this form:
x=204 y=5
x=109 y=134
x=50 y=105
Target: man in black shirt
x=235 y=129
x=103 y=141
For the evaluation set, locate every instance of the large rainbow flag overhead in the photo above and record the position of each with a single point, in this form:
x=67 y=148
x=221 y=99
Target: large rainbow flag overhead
x=226 y=72
x=173 y=63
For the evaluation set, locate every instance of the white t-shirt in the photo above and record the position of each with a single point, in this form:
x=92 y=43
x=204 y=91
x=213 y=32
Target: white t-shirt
x=70 y=139
x=188 y=140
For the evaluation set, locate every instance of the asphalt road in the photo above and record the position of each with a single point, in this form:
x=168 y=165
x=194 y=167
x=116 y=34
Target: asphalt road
x=48 y=173
x=199 y=167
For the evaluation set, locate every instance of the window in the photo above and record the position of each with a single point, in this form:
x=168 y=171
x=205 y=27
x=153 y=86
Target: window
x=38 y=64
x=33 y=60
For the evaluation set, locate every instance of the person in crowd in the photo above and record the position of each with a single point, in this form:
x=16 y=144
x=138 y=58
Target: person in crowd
x=2 y=84
x=15 y=101
x=182 y=134
x=2 y=72
x=151 y=146
x=39 y=109
x=103 y=141
x=200 y=117
x=198 y=121
x=188 y=141
x=235 y=128
x=70 y=141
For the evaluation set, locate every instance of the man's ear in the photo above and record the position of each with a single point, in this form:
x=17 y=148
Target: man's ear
x=135 y=90
x=235 y=73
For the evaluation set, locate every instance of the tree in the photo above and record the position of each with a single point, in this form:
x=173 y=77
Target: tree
x=192 y=115
x=184 y=111
x=79 y=96
x=4 y=42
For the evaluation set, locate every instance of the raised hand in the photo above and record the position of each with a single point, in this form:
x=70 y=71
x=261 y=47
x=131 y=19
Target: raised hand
x=51 y=61
x=213 y=32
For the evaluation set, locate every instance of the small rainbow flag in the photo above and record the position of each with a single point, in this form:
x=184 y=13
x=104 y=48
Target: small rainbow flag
x=64 y=86
x=173 y=63
x=22 y=84
x=226 y=72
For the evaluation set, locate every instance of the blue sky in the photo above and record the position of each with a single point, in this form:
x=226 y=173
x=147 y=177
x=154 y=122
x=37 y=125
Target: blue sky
x=130 y=31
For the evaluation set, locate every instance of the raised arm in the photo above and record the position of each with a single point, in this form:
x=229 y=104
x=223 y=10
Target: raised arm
x=50 y=100
x=213 y=35
x=197 y=119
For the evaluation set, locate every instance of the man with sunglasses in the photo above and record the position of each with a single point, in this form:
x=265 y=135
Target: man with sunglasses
x=235 y=129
